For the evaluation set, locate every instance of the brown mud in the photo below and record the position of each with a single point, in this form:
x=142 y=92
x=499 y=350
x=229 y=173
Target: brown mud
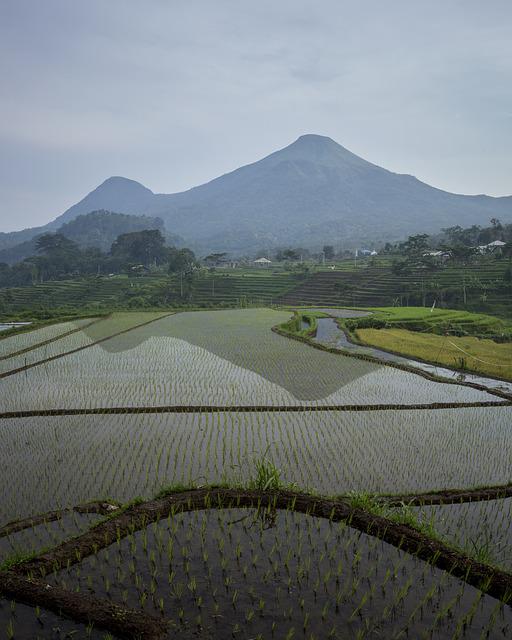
x=32 y=413
x=126 y=623
x=101 y=508
x=448 y=496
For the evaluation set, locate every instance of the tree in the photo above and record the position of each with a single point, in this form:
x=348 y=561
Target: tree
x=454 y=234
x=461 y=254
x=290 y=254
x=328 y=251
x=214 y=259
x=55 y=244
x=507 y=251
x=58 y=255
x=140 y=247
x=415 y=246
x=180 y=260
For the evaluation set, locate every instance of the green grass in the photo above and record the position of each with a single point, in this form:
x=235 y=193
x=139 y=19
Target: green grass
x=441 y=321
x=478 y=355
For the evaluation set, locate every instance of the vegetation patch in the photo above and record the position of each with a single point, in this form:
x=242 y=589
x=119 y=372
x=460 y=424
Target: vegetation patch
x=476 y=355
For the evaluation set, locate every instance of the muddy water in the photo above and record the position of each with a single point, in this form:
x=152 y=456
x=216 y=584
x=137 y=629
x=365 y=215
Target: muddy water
x=484 y=527
x=330 y=334
x=240 y=571
x=21 y=620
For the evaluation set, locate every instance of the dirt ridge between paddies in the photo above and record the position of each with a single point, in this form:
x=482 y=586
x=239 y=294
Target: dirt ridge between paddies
x=132 y=624
x=395 y=365
x=486 y=578
x=447 y=496
x=427 y=498
x=44 y=343
x=287 y=408
x=12 y=372
x=101 y=507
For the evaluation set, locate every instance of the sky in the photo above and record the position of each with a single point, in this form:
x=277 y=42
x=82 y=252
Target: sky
x=173 y=93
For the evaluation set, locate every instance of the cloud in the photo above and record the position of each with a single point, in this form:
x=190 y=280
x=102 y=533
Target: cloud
x=173 y=94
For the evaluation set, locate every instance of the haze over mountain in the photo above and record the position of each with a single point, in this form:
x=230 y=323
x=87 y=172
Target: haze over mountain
x=96 y=229
x=313 y=191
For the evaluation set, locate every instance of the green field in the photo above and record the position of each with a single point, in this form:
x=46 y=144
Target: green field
x=475 y=342
x=214 y=358
x=478 y=287
x=477 y=355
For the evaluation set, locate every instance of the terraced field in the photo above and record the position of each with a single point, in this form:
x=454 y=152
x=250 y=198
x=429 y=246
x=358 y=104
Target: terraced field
x=65 y=341
x=377 y=286
x=48 y=461
x=242 y=434
x=238 y=288
x=216 y=358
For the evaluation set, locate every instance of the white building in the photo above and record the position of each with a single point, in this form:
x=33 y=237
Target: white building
x=262 y=262
x=497 y=245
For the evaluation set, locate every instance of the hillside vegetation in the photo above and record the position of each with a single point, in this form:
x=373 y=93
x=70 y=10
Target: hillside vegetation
x=477 y=287
x=477 y=355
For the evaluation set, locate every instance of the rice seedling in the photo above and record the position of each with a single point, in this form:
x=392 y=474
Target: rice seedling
x=52 y=462
x=375 y=587
x=251 y=366
x=258 y=572
x=482 y=529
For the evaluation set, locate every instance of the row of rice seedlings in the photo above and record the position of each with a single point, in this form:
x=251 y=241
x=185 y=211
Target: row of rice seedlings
x=44 y=535
x=21 y=622
x=253 y=369
x=108 y=326
x=177 y=373
x=481 y=529
x=30 y=339
x=281 y=574
x=232 y=335
x=52 y=462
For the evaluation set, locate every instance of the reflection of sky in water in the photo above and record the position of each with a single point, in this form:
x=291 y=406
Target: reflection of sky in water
x=244 y=339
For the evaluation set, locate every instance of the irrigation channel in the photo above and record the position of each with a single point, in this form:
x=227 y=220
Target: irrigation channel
x=330 y=334
x=5 y=326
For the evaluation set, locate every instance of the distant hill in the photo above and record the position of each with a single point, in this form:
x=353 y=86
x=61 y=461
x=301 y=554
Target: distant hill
x=96 y=229
x=311 y=192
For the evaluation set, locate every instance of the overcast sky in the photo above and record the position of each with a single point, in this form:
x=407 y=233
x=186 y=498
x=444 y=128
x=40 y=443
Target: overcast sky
x=173 y=93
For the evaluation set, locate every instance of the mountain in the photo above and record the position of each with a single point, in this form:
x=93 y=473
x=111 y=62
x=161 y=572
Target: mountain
x=115 y=194
x=313 y=191
x=96 y=229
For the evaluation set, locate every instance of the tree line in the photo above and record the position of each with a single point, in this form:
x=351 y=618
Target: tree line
x=58 y=257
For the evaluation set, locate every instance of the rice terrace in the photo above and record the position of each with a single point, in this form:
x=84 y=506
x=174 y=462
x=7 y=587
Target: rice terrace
x=255 y=384
x=225 y=473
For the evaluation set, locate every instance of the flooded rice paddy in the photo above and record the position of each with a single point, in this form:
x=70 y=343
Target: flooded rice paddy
x=223 y=572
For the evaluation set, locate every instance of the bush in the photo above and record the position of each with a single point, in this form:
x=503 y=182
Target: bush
x=138 y=302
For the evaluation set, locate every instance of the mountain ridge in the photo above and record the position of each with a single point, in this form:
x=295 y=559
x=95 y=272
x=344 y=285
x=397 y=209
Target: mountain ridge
x=310 y=192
